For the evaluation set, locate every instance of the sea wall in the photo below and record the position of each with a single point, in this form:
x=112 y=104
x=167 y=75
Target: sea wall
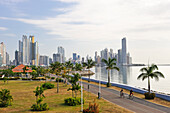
x=162 y=96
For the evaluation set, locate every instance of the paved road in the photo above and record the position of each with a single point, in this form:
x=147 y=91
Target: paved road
x=136 y=105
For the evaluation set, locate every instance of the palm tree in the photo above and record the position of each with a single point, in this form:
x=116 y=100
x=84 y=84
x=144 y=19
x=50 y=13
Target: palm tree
x=75 y=86
x=89 y=64
x=69 y=66
x=56 y=68
x=149 y=72
x=6 y=74
x=5 y=98
x=24 y=70
x=78 y=67
x=39 y=94
x=110 y=64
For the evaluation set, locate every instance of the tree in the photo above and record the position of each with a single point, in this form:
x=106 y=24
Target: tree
x=89 y=64
x=75 y=86
x=5 y=98
x=39 y=98
x=69 y=66
x=110 y=64
x=78 y=67
x=149 y=72
x=25 y=70
x=56 y=68
x=6 y=74
x=34 y=73
x=39 y=92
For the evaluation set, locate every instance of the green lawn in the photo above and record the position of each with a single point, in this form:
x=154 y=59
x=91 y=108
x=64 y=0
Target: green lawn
x=22 y=92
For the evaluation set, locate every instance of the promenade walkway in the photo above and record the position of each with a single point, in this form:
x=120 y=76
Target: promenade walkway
x=136 y=105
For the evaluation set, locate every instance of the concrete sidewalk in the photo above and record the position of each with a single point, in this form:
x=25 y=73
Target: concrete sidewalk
x=136 y=105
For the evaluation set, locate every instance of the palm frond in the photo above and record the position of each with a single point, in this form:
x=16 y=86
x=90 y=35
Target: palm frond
x=144 y=77
x=159 y=74
x=141 y=75
x=145 y=69
x=116 y=68
x=105 y=61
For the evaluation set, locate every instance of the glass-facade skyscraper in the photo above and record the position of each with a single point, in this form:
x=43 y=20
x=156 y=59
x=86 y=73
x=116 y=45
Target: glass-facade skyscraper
x=124 y=53
x=29 y=51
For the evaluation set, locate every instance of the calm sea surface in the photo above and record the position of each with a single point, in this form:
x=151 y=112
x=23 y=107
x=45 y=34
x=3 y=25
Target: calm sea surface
x=128 y=75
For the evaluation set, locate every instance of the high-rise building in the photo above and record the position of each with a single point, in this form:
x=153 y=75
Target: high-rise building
x=111 y=55
x=16 y=58
x=74 y=56
x=44 y=61
x=50 y=61
x=32 y=50
x=61 y=51
x=36 y=53
x=119 y=56
x=29 y=51
x=7 y=59
x=82 y=60
x=26 y=50
x=124 y=53
x=3 y=53
x=21 y=50
x=0 y=60
x=57 y=57
x=95 y=57
x=106 y=54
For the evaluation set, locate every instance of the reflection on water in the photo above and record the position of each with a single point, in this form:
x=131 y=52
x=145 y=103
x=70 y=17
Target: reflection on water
x=128 y=75
x=120 y=76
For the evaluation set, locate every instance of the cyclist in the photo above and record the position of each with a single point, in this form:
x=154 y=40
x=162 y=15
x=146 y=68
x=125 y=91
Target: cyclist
x=131 y=93
x=121 y=93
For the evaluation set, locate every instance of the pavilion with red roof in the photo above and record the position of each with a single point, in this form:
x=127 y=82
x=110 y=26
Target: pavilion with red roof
x=19 y=69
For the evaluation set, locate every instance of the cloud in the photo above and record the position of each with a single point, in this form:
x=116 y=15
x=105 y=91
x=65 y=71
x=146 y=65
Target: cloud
x=9 y=35
x=106 y=20
x=3 y=28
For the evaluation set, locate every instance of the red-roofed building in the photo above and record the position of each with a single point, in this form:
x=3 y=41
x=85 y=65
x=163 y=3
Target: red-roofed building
x=19 y=69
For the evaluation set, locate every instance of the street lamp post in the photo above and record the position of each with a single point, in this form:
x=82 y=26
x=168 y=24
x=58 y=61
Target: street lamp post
x=81 y=95
x=99 y=93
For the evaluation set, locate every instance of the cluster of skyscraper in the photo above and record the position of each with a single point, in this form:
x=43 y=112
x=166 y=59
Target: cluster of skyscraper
x=28 y=53
x=123 y=58
x=60 y=55
x=4 y=56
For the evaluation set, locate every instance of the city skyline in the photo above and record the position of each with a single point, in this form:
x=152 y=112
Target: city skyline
x=84 y=27
x=28 y=54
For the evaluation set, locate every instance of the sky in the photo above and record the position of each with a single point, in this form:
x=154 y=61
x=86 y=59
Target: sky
x=86 y=26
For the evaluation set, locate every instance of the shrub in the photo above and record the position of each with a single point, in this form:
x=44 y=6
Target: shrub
x=5 y=78
x=60 y=80
x=73 y=101
x=53 y=78
x=40 y=107
x=12 y=79
x=17 y=77
x=5 y=98
x=93 y=108
x=48 y=86
x=43 y=78
x=36 y=79
x=26 y=79
x=149 y=95
x=108 y=84
x=48 y=77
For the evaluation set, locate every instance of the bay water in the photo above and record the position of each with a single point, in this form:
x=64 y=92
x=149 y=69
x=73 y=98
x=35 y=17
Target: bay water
x=128 y=75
